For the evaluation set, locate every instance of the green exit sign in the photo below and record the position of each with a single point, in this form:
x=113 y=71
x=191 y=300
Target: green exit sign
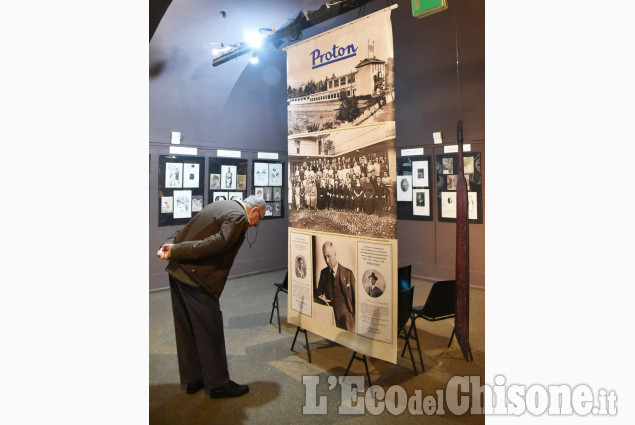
x=421 y=8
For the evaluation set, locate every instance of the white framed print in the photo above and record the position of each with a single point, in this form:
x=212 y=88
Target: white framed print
x=261 y=174
x=174 y=175
x=404 y=188
x=228 y=177
x=421 y=202
x=275 y=174
x=190 y=175
x=182 y=204
x=420 y=174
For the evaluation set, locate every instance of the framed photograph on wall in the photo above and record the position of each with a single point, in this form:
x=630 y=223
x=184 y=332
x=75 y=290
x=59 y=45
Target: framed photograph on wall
x=420 y=174
x=267 y=193
x=235 y=196
x=167 y=204
x=404 y=188
x=214 y=182
x=197 y=203
x=277 y=194
x=421 y=202
x=220 y=196
x=241 y=182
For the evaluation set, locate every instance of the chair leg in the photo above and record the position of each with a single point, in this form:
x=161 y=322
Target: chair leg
x=278 y=313
x=418 y=346
x=412 y=321
x=412 y=358
x=452 y=337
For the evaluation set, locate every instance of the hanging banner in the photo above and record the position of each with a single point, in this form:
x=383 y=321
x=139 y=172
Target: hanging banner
x=342 y=186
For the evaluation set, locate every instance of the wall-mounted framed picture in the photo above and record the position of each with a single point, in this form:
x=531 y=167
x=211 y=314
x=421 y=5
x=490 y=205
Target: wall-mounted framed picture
x=181 y=188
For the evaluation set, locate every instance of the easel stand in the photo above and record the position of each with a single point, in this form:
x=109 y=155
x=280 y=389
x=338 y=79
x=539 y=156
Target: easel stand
x=306 y=339
x=362 y=359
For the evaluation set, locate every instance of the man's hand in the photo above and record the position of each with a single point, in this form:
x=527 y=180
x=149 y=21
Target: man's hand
x=323 y=298
x=164 y=251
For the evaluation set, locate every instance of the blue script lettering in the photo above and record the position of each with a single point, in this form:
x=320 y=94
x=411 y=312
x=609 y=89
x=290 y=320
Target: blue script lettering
x=336 y=54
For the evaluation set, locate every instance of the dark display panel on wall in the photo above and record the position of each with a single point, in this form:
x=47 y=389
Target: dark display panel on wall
x=447 y=175
x=268 y=183
x=181 y=188
x=414 y=188
x=227 y=179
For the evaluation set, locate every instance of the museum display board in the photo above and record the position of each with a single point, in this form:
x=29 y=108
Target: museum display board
x=181 y=188
x=268 y=183
x=227 y=179
x=342 y=176
x=446 y=171
x=414 y=188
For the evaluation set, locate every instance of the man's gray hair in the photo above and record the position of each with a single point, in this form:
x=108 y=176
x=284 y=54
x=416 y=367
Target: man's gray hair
x=255 y=201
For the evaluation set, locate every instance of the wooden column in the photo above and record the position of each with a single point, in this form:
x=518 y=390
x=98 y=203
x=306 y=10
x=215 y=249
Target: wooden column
x=462 y=319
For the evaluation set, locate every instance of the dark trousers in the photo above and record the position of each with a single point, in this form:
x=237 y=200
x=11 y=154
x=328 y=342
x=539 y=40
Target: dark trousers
x=200 y=340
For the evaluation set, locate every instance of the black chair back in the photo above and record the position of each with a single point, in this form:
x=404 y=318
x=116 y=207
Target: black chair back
x=441 y=303
x=404 y=277
x=285 y=283
x=404 y=306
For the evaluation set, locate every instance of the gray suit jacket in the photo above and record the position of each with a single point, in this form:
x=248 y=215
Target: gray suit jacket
x=204 y=250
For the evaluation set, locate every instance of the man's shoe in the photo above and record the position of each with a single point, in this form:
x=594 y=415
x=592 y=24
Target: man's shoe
x=230 y=389
x=193 y=387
